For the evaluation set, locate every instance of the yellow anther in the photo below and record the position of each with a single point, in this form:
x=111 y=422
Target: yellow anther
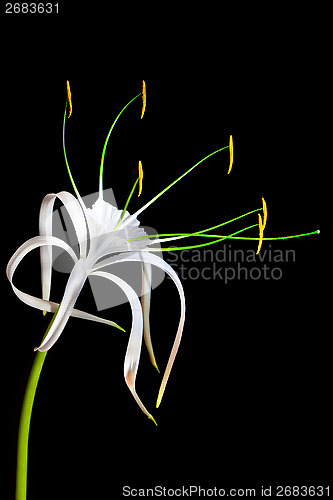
x=69 y=95
x=144 y=98
x=264 y=208
x=261 y=231
x=231 y=149
x=140 y=177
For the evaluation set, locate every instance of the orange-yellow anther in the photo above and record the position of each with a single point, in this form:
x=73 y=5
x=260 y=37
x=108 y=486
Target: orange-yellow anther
x=231 y=149
x=140 y=177
x=144 y=98
x=264 y=208
x=261 y=231
x=69 y=95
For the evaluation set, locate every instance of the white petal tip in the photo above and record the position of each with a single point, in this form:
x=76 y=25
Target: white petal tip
x=36 y=349
x=152 y=418
x=119 y=327
x=160 y=395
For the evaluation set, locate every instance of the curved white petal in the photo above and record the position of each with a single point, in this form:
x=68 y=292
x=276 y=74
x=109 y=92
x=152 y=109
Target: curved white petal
x=133 y=351
x=21 y=252
x=145 y=302
x=76 y=313
x=74 y=285
x=35 y=242
x=156 y=261
x=38 y=303
x=75 y=212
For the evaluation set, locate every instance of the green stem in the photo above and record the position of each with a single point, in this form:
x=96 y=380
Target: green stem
x=23 y=436
x=24 y=426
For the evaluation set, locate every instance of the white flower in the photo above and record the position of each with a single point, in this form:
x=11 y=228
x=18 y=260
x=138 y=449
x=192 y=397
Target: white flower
x=104 y=233
x=106 y=236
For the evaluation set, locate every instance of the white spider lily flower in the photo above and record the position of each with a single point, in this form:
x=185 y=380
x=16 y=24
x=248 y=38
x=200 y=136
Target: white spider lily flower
x=102 y=239
x=105 y=236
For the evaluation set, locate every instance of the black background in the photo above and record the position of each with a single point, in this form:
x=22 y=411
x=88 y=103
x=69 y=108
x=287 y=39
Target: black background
x=247 y=401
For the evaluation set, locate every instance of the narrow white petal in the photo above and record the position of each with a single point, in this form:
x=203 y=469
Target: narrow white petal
x=42 y=304
x=22 y=251
x=133 y=351
x=75 y=212
x=73 y=288
x=145 y=302
x=76 y=313
x=31 y=244
x=157 y=261
x=45 y=229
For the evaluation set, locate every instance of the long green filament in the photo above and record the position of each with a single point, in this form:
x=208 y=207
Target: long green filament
x=105 y=144
x=173 y=183
x=127 y=202
x=273 y=238
x=24 y=426
x=218 y=238
x=163 y=237
x=186 y=235
x=176 y=236
x=65 y=155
